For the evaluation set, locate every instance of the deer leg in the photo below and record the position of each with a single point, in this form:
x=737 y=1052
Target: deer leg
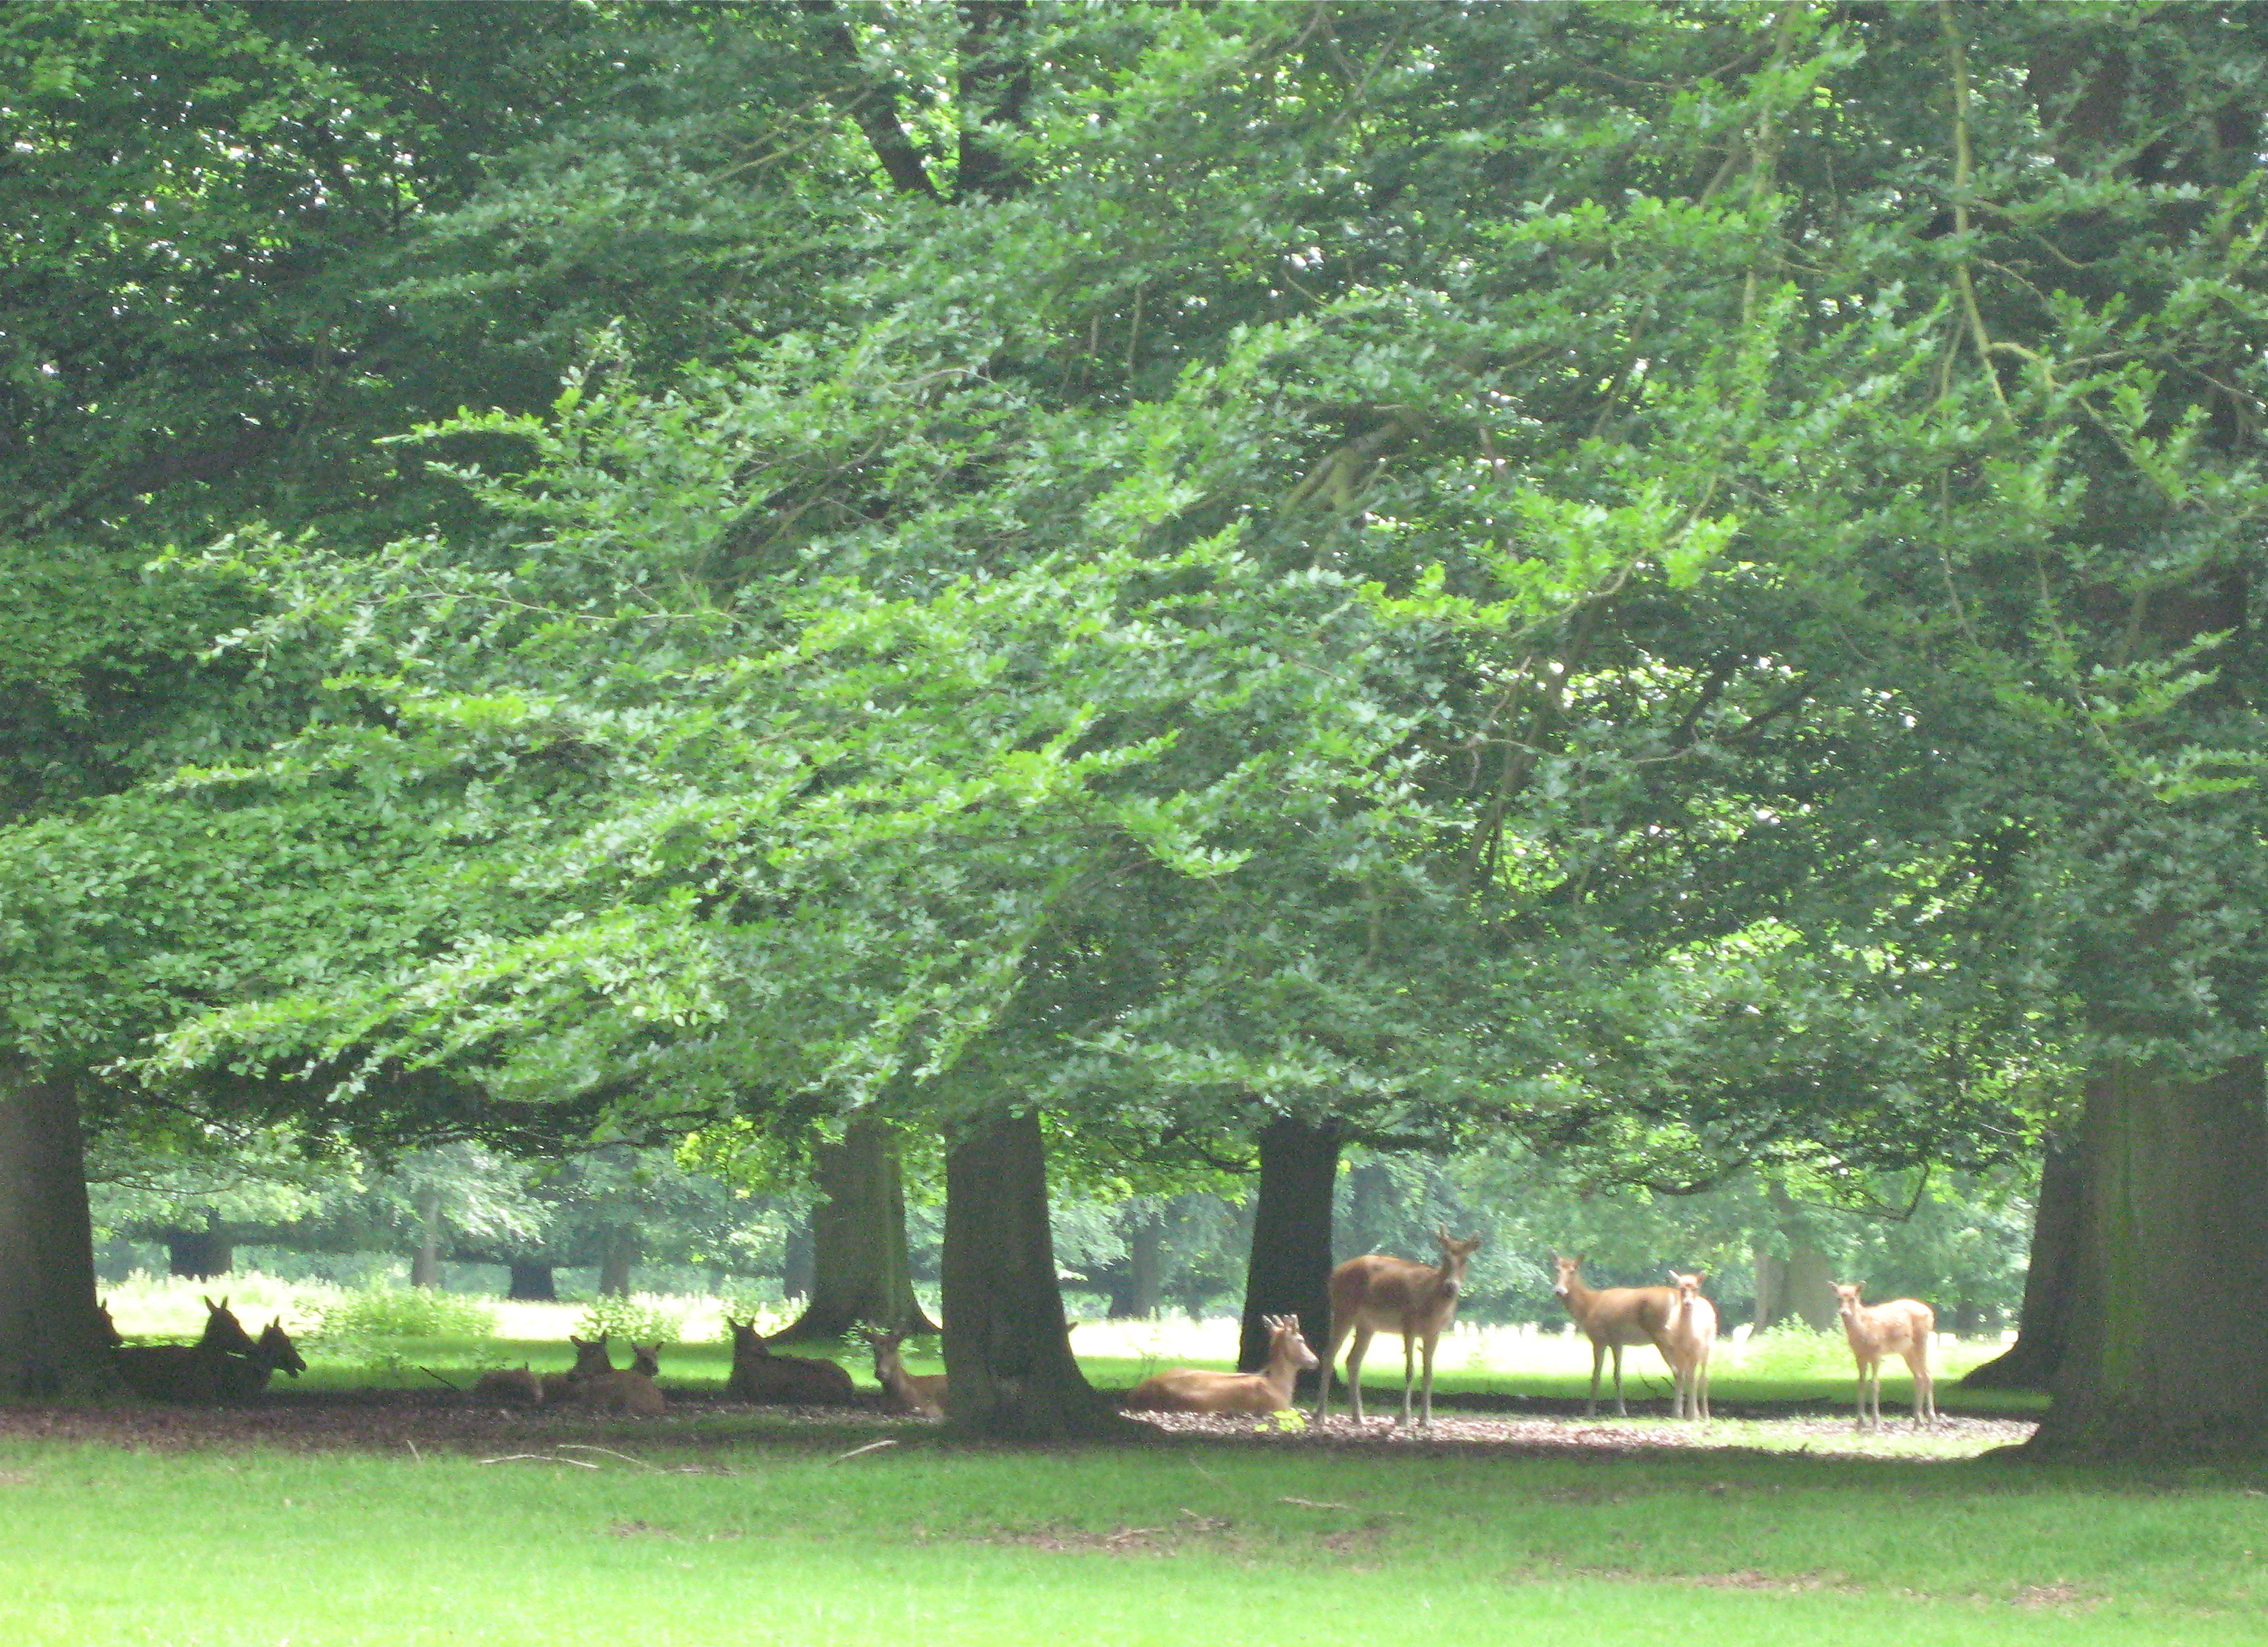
x=1427 y=1421
x=1354 y=1368
x=1701 y=1375
x=1323 y=1384
x=1620 y=1411
x=1408 y=1372
x=1925 y=1386
x=1598 y=1362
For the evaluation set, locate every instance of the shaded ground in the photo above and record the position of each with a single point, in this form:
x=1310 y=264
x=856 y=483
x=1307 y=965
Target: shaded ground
x=394 y=1420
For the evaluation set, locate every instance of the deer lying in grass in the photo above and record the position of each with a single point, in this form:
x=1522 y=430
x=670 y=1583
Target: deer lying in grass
x=516 y=1387
x=1377 y=1294
x=646 y=1358
x=243 y=1377
x=921 y=1392
x=1613 y=1318
x=1900 y=1327
x=758 y=1375
x=1190 y=1390
x=618 y=1393
x=1687 y=1344
x=198 y=1372
x=590 y=1360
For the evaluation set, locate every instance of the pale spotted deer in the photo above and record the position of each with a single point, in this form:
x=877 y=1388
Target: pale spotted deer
x=1377 y=1294
x=1613 y=1318
x=1902 y=1327
x=1192 y=1390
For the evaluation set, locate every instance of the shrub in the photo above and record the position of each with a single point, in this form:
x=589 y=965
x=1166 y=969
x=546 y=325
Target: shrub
x=388 y=1312
x=1792 y=1350
x=637 y=1318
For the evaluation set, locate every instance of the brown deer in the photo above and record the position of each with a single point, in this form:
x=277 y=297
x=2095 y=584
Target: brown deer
x=590 y=1359
x=198 y=1372
x=110 y=1333
x=1191 y=1390
x=517 y=1386
x=1900 y=1327
x=618 y=1393
x=758 y=1375
x=1687 y=1343
x=244 y=1377
x=921 y=1392
x=1376 y=1294
x=646 y=1358
x=1613 y=1318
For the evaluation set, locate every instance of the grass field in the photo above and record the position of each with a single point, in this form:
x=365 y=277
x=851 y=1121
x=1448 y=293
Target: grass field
x=729 y=1525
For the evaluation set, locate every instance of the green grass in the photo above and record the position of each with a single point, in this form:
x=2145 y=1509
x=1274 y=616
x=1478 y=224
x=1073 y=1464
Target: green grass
x=775 y=1542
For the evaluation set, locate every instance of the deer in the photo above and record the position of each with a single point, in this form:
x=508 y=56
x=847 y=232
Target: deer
x=1377 y=1294
x=517 y=1386
x=590 y=1360
x=758 y=1375
x=923 y=1393
x=625 y=1392
x=1192 y=1390
x=188 y=1372
x=1612 y=1320
x=243 y=1377
x=1687 y=1344
x=646 y=1358
x=1900 y=1327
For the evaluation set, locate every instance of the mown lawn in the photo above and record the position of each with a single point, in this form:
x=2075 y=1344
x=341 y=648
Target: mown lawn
x=767 y=1535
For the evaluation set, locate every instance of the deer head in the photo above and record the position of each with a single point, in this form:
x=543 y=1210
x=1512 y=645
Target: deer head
x=276 y=1349
x=591 y=1354
x=646 y=1358
x=1455 y=1255
x=1284 y=1338
x=225 y=1332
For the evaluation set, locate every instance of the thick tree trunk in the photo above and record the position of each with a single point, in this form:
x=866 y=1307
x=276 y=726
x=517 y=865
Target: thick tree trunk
x=1805 y=1278
x=1009 y=1370
x=2043 y=1329
x=1772 y=1290
x=860 y=1272
x=199 y=1255
x=2167 y=1346
x=532 y=1282
x=1137 y=1299
x=425 y=1265
x=618 y=1256
x=52 y=1343
x=1290 y=1271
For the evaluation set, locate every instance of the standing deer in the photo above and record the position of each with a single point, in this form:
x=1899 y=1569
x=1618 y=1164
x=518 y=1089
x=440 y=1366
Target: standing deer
x=758 y=1375
x=1612 y=1320
x=1190 y=1390
x=923 y=1393
x=1687 y=1344
x=1900 y=1327
x=1377 y=1294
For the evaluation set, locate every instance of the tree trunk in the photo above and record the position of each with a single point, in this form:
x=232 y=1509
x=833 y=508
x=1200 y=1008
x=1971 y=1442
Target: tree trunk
x=531 y=1281
x=1806 y=1276
x=860 y=1272
x=1145 y=1285
x=618 y=1256
x=426 y=1267
x=1290 y=1271
x=52 y=1342
x=1009 y=1370
x=199 y=1255
x=2166 y=1350
x=1772 y=1290
x=796 y=1264
x=2044 y=1328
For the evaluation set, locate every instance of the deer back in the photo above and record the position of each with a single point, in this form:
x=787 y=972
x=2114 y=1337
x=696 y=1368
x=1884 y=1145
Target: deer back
x=619 y=1392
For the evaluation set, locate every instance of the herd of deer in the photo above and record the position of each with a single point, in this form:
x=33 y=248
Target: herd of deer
x=1368 y=1295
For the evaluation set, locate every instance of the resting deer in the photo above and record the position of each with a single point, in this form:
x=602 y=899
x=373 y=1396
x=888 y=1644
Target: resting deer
x=923 y=1393
x=517 y=1386
x=646 y=1358
x=1190 y=1390
x=110 y=1333
x=618 y=1393
x=1613 y=1318
x=1377 y=1294
x=1687 y=1344
x=758 y=1375
x=243 y=1377
x=590 y=1361
x=188 y=1372
x=1900 y=1327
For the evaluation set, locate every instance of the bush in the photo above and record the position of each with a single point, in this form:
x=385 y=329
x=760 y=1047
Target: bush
x=637 y=1318
x=386 y=1313
x=1792 y=1350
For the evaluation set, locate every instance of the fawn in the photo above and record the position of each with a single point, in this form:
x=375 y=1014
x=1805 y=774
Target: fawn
x=1900 y=1327
x=1687 y=1343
